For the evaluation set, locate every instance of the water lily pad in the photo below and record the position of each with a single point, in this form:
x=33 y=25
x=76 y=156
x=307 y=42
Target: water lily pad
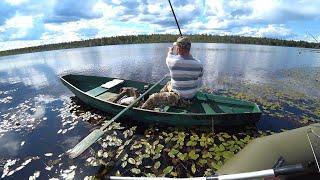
x=182 y=156
x=227 y=154
x=124 y=164
x=172 y=153
x=225 y=135
x=157 y=165
x=118 y=173
x=192 y=155
x=157 y=156
x=155 y=142
x=168 y=169
x=125 y=157
x=193 y=168
x=174 y=174
x=221 y=139
x=135 y=171
x=192 y=143
x=137 y=146
x=131 y=161
x=206 y=154
x=208 y=172
x=234 y=137
x=203 y=161
x=221 y=147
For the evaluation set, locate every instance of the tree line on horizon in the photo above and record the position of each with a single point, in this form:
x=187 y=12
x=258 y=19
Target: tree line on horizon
x=160 y=38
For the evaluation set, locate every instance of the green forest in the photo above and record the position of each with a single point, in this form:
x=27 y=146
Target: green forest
x=160 y=38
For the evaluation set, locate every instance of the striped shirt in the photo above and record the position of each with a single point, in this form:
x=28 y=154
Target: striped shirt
x=186 y=74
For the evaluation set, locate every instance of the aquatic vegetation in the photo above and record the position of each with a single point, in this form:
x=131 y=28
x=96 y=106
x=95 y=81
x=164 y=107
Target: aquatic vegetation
x=130 y=150
x=298 y=105
x=8 y=170
x=173 y=152
x=6 y=100
x=68 y=174
x=25 y=116
x=176 y=152
x=35 y=175
x=6 y=167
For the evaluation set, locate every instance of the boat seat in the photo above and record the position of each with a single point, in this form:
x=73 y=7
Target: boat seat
x=206 y=107
x=104 y=87
x=209 y=109
x=96 y=91
x=113 y=83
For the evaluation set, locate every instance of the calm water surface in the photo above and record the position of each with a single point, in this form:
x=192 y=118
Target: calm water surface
x=34 y=124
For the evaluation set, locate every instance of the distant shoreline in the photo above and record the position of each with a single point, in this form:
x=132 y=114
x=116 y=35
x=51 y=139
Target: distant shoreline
x=160 y=38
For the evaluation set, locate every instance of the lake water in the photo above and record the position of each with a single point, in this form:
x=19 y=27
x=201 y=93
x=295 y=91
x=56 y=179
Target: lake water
x=34 y=120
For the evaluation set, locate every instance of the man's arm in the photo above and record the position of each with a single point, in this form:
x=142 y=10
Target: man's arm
x=170 y=53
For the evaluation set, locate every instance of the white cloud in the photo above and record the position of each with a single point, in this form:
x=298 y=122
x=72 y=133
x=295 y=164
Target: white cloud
x=19 y=22
x=16 y=27
x=271 y=31
x=108 y=11
x=155 y=8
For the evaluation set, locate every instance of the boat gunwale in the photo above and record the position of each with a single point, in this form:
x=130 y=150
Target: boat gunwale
x=147 y=110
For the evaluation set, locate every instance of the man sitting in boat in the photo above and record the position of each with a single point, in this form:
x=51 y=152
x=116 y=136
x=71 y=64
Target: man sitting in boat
x=186 y=77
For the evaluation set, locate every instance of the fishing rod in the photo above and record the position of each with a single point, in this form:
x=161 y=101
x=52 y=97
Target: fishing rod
x=175 y=17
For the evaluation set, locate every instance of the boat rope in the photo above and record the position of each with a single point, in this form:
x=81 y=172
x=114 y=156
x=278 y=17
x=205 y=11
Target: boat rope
x=314 y=154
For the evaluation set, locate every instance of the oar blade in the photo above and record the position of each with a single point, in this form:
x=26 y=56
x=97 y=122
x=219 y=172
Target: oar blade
x=85 y=143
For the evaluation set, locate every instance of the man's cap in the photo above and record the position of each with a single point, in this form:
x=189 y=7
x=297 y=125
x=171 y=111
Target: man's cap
x=183 y=42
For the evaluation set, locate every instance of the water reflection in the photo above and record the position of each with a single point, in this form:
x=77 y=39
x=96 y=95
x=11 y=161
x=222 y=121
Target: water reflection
x=146 y=62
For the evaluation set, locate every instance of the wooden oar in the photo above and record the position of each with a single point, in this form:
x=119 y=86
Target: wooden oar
x=96 y=134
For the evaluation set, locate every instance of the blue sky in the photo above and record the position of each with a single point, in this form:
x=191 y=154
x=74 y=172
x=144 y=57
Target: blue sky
x=34 y=22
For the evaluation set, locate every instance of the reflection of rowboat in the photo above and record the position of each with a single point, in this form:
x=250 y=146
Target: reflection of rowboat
x=206 y=109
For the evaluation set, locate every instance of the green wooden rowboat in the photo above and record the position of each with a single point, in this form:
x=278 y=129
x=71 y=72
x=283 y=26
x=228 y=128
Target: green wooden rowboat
x=206 y=109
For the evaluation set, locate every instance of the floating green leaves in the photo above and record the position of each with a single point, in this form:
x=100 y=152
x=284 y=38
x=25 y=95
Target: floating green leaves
x=173 y=153
x=135 y=171
x=168 y=169
x=193 y=155
x=124 y=164
x=182 y=156
x=227 y=154
x=157 y=165
x=193 y=168
x=205 y=141
x=193 y=140
x=206 y=154
x=157 y=156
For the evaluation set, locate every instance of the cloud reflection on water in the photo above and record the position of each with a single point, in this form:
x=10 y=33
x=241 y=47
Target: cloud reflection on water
x=146 y=62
